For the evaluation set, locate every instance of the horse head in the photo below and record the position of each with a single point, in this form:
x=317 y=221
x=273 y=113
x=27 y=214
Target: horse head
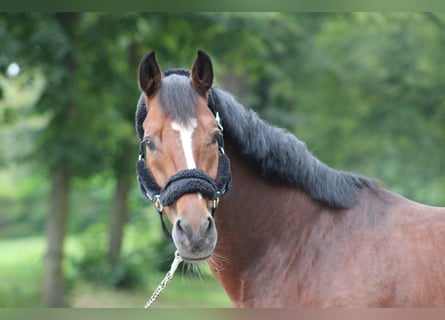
x=182 y=166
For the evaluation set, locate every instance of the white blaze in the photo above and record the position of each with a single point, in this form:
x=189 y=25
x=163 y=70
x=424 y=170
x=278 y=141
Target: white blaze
x=186 y=134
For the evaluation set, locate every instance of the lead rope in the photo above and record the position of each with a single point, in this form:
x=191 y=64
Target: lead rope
x=176 y=261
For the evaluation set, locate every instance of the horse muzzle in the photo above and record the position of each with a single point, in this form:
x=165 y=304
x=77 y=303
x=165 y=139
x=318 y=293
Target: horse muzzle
x=195 y=239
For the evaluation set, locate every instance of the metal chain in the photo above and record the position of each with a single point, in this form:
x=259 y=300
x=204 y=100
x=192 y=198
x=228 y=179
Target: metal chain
x=176 y=261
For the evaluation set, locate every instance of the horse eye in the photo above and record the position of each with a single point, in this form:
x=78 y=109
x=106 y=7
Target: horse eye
x=216 y=138
x=149 y=143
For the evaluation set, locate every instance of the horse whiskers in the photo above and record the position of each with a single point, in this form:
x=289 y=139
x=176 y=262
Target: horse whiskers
x=192 y=270
x=220 y=257
x=218 y=262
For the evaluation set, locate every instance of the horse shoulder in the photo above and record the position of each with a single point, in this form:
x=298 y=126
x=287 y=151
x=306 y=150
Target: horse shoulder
x=385 y=251
x=409 y=246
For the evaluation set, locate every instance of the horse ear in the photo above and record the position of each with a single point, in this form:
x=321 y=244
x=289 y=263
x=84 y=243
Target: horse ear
x=149 y=74
x=202 y=73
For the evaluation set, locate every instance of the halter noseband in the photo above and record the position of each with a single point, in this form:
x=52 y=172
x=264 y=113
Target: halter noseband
x=184 y=181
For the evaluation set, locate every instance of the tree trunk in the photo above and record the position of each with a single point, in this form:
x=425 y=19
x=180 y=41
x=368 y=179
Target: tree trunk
x=53 y=281
x=123 y=170
x=119 y=215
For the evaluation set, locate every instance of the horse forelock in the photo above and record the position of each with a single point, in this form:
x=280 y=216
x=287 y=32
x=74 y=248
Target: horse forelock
x=177 y=98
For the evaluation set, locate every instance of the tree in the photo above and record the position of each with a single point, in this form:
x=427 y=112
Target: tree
x=68 y=146
x=379 y=98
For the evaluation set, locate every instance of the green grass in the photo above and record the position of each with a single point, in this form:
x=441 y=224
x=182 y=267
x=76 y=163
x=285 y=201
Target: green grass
x=21 y=265
x=180 y=293
x=20 y=272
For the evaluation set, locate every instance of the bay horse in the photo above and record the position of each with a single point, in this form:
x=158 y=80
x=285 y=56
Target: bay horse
x=291 y=231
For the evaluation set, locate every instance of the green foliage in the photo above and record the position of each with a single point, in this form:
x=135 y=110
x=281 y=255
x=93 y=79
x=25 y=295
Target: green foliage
x=94 y=266
x=145 y=252
x=380 y=99
x=22 y=211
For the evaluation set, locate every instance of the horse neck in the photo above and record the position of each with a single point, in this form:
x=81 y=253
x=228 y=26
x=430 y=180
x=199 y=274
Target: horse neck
x=258 y=220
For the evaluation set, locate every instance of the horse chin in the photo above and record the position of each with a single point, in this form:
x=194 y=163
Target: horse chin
x=195 y=259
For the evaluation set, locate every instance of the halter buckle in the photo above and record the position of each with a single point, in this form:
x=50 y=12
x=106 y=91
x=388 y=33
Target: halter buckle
x=157 y=203
x=216 y=200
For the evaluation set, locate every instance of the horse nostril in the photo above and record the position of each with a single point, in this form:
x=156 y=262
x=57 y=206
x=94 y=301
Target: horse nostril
x=209 y=223
x=178 y=225
x=185 y=231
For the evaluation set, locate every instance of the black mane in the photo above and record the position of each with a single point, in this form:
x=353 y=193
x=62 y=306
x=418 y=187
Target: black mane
x=275 y=152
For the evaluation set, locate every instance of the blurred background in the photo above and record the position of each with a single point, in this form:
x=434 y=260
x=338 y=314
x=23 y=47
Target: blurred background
x=365 y=91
